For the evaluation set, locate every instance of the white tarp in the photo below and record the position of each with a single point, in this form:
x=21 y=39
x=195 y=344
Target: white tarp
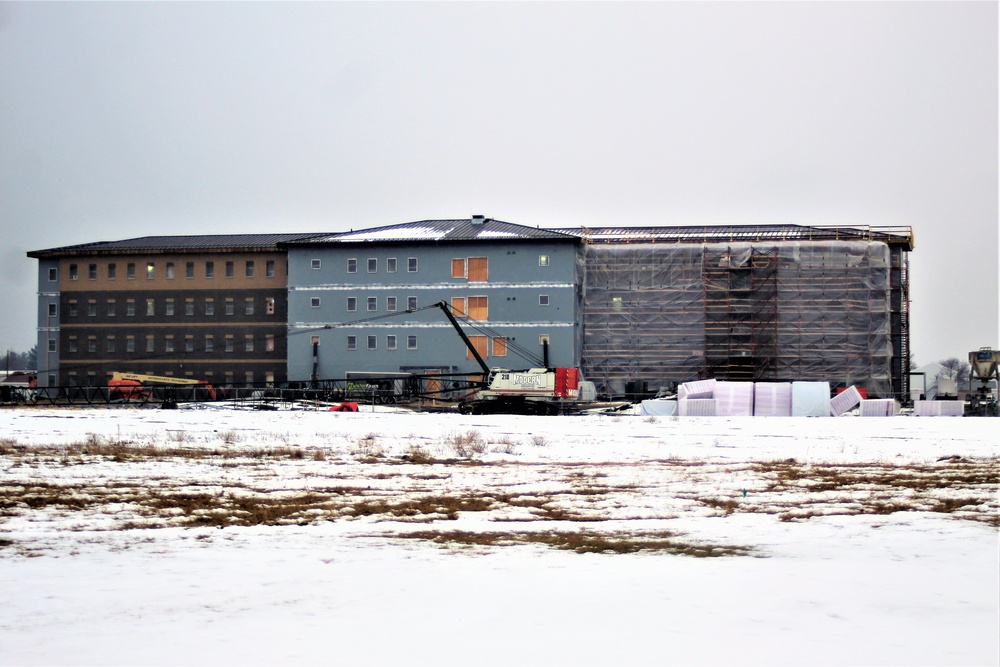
x=938 y=408
x=772 y=399
x=696 y=407
x=879 y=407
x=698 y=389
x=810 y=399
x=734 y=399
x=658 y=407
x=844 y=401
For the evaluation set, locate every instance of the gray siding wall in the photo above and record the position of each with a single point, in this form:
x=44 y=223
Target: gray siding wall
x=48 y=321
x=320 y=297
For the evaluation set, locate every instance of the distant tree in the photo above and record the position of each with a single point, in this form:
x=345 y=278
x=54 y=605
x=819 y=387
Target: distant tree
x=31 y=358
x=955 y=369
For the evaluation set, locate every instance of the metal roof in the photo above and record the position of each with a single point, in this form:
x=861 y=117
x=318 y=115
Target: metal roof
x=175 y=244
x=742 y=233
x=465 y=229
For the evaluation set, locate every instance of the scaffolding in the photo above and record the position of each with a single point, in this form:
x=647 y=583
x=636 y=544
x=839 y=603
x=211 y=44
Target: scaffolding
x=656 y=314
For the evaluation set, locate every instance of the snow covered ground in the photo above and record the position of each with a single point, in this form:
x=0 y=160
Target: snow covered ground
x=209 y=536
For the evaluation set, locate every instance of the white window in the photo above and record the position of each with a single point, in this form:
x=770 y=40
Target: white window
x=411 y=342
x=352 y=265
x=372 y=304
x=411 y=303
x=390 y=304
x=372 y=265
x=314 y=302
x=52 y=310
x=52 y=345
x=372 y=342
x=543 y=260
x=352 y=303
x=543 y=339
x=543 y=299
x=315 y=264
x=352 y=342
x=390 y=265
x=411 y=264
x=53 y=275
x=170 y=270
x=390 y=342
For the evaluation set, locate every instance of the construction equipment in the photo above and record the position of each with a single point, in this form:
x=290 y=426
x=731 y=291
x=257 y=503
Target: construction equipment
x=536 y=391
x=984 y=365
x=136 y=387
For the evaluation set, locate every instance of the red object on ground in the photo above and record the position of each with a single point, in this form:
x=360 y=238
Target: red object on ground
x=861 y=390
x=566 y=379
x=344 y=407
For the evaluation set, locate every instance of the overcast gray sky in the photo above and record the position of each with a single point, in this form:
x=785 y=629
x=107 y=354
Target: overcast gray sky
x=127 y=119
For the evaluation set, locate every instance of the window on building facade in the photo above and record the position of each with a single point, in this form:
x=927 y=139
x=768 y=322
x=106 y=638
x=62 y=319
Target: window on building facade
x=72 y=308
x=249 y=268
x=169 y=307
x=53 y=275
x=248 y=306
x=390 y=342
x=352 y=304
x=168 y=344
x=230 y=307
x=478 y=308
x=458 y=267
x=189 y=306
x=130 y=343
x=269 y=268
x=269 y=305
x=52 y=310
x=150 y=307
x=458 y=305
x=112 y=271
x=480 y=343
x=189 y=343
x=130 y=307
x=314 y=302
x=229 y=343
x=209 y=343
x=372 y=265
x=352 y=342
x=372 y=304
x=269 y=343
x=248 y=378
x=248 y=343
x=150 y=271
x=111 y=307
x=91 y=343
x=92 y=272
x=411 y=303
x=372 y=342
x=352 y=265
x=479 y=269
x=210 y=306
x=315 y=264
x=209 y=269
x=189 y=270
x=110 y=344
x=149 y=342
x=170 y=271
x=543 y=260
x=52 y=345
x=390 y=304
x=91 y=308
x=390 y=265
x=543 y=339
x=543 y=299
x=130 y=271
x=411 y=265
x=72 y=344
x=73 y=272
x=230 y=269
x=411 y=342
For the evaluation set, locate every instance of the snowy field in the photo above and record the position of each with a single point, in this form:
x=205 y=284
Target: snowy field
x=209 y=536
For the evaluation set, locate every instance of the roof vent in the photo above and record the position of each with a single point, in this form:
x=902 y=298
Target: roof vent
x=478 y=219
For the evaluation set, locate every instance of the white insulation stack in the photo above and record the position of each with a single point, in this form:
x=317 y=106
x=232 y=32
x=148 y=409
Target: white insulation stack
x=938 y=408
x=810 y=399
x=734 y=399
x=696 y=407
x=699 y=389
x=772 y=399
x=844 y=401
x=658 y=407
x=879 y=407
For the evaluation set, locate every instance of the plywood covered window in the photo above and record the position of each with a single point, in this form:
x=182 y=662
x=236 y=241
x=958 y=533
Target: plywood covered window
x=458 y=305
x=499 y=347
x=458 y=267
x=480 y=343
x=479 y=269
x=478 y=308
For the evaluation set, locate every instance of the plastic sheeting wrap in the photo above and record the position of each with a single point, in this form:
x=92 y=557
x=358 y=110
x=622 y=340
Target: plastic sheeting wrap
x=696 y=407
x=772 y=399
x=734 y=399
x=699 y=389
x=658 y=407
x=938 y=408
x=810 y=399
x=662 y=313
x=879 y=407
x=844 y=401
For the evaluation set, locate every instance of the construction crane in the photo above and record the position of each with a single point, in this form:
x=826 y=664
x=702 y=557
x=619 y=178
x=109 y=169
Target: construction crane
x=136 y=386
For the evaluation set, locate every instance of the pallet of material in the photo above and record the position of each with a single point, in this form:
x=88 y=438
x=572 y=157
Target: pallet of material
x=938 y=408
x=772 y=399
x=879 y=407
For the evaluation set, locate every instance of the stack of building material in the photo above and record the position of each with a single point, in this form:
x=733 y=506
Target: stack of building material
x=658 y=407
x=810 y=399
x=844 y=401
x=696 y=407
x=879 y=407
x=733 y=399
x=772 y=399
x=698 y=389
x=938 y=408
